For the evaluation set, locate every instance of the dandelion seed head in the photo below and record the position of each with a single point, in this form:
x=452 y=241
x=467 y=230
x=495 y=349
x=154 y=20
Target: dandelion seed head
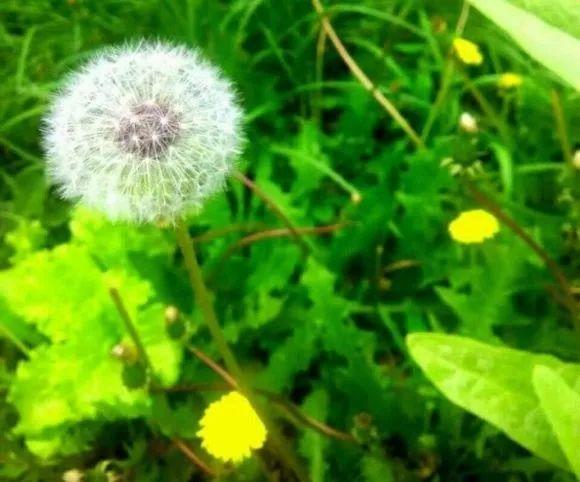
x=143 y=132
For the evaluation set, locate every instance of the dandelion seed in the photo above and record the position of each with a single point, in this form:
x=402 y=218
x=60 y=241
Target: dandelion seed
x=509 y=80
x=143 y=132
x=473 y=226
x=231 y=429
x=468 y=52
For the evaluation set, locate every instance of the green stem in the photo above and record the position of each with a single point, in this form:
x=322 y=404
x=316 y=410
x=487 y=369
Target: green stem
x=447 y=75
x=15 y=340
x=130 y=327
x=203 y=299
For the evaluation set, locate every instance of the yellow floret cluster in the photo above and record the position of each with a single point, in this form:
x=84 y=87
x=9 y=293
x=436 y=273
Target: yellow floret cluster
x=231 y=429
x=467 y=51
x=509 y=80
x=473 y=226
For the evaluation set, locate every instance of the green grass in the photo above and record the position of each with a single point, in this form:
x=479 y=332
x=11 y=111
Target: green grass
x=325 y=329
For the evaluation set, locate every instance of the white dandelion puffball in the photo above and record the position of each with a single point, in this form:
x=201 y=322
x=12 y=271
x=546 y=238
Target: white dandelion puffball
x=143 y=132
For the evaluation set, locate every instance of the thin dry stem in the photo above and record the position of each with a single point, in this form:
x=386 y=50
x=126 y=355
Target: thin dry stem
x=363 y=78
x=193 y=457
x=231 y=381
x=271 y=234
x=273 y=207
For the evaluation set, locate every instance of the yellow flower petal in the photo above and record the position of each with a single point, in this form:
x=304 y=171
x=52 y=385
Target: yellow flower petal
x=473 y=226
x=509 y=80
x=467 y=51
x=231 y=429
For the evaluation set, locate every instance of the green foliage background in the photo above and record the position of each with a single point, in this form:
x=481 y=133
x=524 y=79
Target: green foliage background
x=324 y=329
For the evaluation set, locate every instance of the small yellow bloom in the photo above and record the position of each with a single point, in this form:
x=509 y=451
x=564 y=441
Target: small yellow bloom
x=473 y=226
x=230 y=428
x=467 y=51
x=509 y=80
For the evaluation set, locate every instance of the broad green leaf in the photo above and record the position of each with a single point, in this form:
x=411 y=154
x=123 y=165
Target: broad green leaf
x=564 y=14
x=561 y=404
x=552 y=47
x=494 y=383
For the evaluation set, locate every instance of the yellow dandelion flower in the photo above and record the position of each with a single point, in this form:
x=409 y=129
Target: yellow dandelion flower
x=509 y=80
x=473 y=226
x=467 y=51
x=230 y=428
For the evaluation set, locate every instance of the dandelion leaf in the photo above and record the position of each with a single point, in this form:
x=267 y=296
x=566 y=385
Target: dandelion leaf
x=561 y=405
x=552 y=47
x=495 y=384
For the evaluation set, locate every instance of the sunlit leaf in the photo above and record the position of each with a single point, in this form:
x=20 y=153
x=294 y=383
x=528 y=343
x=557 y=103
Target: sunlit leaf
x=552 y=47
x=561 y=404
x=495 y=384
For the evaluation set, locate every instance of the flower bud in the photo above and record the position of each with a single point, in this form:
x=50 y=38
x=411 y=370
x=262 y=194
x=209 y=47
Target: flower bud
x=174 y=323
x=468 y=123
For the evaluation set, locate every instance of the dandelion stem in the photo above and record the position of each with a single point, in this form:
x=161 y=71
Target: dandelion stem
x=363 y=78
x=203 y=299
x=561 y=127
x=487 y=108
x=448 y=70
x=130 y=327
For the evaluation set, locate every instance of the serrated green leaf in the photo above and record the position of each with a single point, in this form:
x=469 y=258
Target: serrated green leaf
x=284 y=365
x=164 y=353
x=73 y=382
x=561 y=404
x=24 y=239
x=552 y=47
x=112 y=243
x=63 y=290
x=495 y=384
